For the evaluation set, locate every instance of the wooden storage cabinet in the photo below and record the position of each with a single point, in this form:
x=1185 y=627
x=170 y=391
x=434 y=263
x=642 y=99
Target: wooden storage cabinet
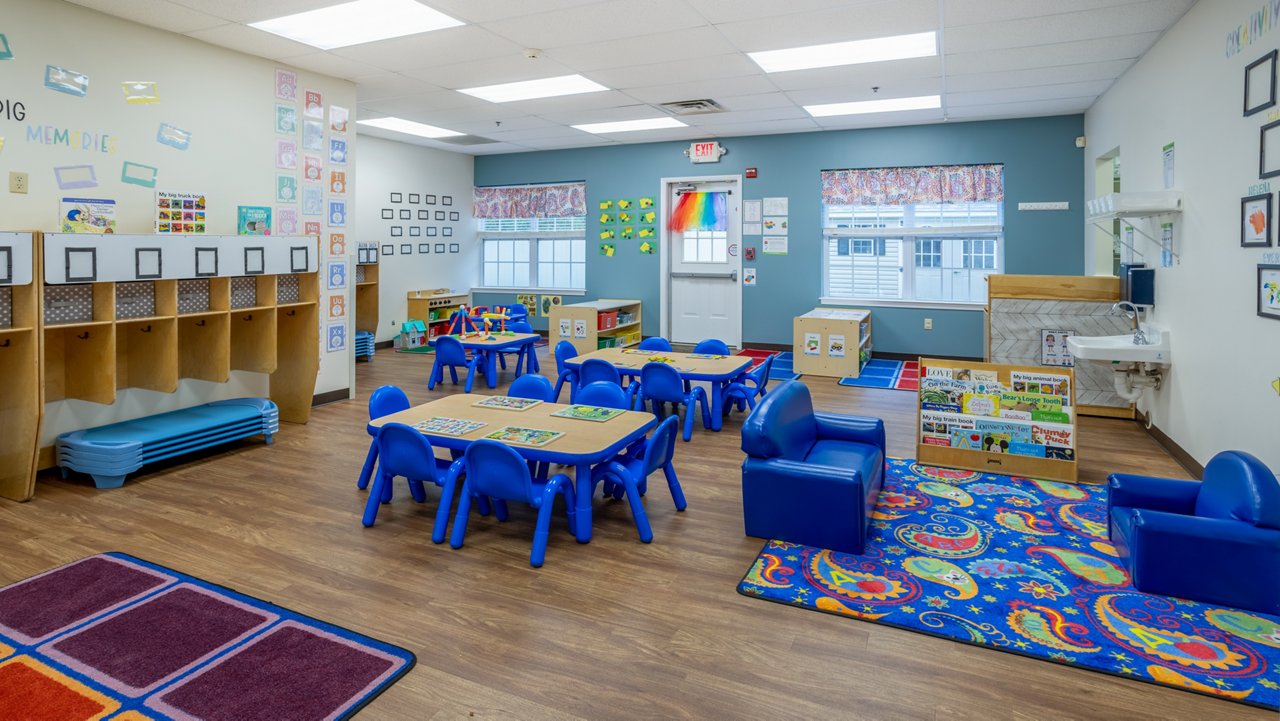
x=834 y=342
x=21 y=395
x=596 y=324
x=434 y=307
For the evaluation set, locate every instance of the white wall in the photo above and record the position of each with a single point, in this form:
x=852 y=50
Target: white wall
x=225 y=99
x=387 y=167
x=1186 y=90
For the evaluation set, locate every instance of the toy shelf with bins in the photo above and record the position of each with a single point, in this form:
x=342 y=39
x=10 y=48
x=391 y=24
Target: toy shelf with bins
x=434 y=307
x=21 y=401
x=589 y=326
x=822 y=342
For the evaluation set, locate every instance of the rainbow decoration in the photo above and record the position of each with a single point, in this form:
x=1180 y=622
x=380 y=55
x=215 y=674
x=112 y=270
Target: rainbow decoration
x=700 y=211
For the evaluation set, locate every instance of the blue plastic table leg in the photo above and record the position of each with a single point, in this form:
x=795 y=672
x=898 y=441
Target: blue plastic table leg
x=108 y=481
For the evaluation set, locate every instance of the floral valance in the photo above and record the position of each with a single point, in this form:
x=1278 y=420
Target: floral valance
x=564 y=200
x=908 y=186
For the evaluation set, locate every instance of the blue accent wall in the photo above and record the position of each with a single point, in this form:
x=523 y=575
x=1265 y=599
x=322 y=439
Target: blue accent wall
x=1041 y=163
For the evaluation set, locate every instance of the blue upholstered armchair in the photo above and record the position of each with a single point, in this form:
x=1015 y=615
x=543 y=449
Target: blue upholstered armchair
x=809 y=477
x=1216 y=541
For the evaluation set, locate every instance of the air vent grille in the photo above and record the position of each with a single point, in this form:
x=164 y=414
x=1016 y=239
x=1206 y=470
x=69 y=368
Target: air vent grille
x=466 y=140
x=693 y=107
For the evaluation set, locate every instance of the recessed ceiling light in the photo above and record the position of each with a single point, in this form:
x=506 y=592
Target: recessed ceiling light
x=626 y=126
x=353 y=23
x=400 y=125
x=888 y=105
x=898 y=47
x=531 y=89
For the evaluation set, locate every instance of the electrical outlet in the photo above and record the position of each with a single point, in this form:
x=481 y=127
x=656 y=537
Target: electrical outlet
x=928 y=324
x=17 y=182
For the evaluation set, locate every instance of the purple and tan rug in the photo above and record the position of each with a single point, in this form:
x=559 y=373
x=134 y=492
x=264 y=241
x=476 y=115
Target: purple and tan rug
x=115 y=637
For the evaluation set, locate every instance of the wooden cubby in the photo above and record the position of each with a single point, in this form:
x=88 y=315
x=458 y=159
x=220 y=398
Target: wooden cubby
x=434 y=307
x=253 y=340
x=147 y=354
x=367 y=297
x=21 y=396
x=204 y=346
x=593 y=337
x=294 y=381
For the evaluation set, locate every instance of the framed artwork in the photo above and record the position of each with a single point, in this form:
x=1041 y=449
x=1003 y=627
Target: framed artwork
x=405 y=214
x=397 y=231
x=447 y=231
x=440 y=215
x=439 y=247
x=388 y=249
x=430 y=199
x=406 y=249
x=424 y=215
x=1269 y=151
x=454 y=215
x=415 y=230
x=415 y=198
x=454 y=248
x=1255 y=221
x=446 y=200
x=431 y=231
x=388 y=214
x=1260 y=84
x=397 y=198
x=424 y=248
x=1269 y=291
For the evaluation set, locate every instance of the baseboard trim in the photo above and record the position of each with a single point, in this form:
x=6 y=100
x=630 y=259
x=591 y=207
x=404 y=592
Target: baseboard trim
x=321 y=399
x=1186 y=460
x=384 y=344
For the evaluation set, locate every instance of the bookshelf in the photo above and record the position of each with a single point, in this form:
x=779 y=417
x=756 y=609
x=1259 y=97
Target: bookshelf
x=434 y=307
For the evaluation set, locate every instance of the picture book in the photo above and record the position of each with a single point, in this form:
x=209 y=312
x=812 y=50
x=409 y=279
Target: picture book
x=588 y=413
x=1028 y=401
x=636 y=351
x=87 y=215
x=980 y=404
x=507 y=403
x=998 y=436
x=443 y=426
x=1045 y=383
x=523 y=436
x=1034 y=450
x=1053 y=434
x=968 y=439
x=253 y=220
x=942 y=394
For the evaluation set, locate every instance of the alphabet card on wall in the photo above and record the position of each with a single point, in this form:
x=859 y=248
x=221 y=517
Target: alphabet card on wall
x=337 y=306
x=286 y=84
x=337 y=335
x=337 y=274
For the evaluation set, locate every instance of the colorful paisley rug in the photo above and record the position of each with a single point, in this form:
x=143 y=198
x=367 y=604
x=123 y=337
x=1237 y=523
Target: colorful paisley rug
x=1022 y=566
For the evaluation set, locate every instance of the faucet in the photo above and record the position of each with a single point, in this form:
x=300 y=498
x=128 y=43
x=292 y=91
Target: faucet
x=1132 y=312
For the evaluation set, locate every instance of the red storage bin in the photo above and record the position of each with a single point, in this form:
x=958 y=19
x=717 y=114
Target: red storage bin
x=607 y=319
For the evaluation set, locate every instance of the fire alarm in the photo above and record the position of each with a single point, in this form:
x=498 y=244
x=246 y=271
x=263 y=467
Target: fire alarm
x=751 y=172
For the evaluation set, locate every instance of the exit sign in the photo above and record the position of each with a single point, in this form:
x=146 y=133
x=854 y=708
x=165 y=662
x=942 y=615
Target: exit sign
x=705 y=152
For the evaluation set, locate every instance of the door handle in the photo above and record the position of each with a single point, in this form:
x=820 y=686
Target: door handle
x=717 y=276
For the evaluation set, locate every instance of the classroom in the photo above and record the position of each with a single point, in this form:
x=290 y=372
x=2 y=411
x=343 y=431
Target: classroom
x=435 y=359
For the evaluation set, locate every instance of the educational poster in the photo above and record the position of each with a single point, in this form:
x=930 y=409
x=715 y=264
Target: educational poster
x=286 y=189
x=835 y=346
x=337 y=306
x=530 y=303
x=87 y=215
x=579 y=329
x=253 y=220
x=337 y=213
x=312 y=200
x=748 y=276
x=286 y=221
x=337 y=151
x=338 y=182
x=1054 y=350
x=311 y=227
x=311 y=168
x=812 y=344
x=286 y=155
x=338 y=245
x=180 y=212
x=312 y=135
x=549 y=302
x=565 y=330
x=337 y=335
x=774 y=206
x=286 y=119
x=775 y=225
x=338 y=117
x=774 y=245
x=752 y=211
x=314 y=105
x=286 y=85
x=337 y=274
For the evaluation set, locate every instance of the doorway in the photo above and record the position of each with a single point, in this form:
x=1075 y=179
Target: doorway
x=702 y=269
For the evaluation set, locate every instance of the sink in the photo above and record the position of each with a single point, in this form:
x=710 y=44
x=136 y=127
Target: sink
x=1121 y=348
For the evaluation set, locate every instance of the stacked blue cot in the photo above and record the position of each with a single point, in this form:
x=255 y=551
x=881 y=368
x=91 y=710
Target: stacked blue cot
x=109 y=453
x=364 y=344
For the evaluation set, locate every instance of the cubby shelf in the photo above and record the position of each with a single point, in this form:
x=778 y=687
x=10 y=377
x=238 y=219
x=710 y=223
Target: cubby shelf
x=595 y=324
x=21 y=396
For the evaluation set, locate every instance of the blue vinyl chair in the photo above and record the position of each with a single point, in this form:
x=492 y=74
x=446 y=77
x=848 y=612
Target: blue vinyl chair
x=1205 y=541
x=516 y=312
x=533 y=387
x=627 y=474
x=450 y=354
x=523 y=352
x=403 y=451
x=656 y=342
x=712 y=346
x=595 y=370
x=564 y=352
x=661 y=383
x=384 y=401
x=498 y=472
x=810 y=478
x=743 y=391
x=604 y=395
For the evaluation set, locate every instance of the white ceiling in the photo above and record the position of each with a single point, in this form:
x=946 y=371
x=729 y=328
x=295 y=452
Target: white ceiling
x=1000 y=59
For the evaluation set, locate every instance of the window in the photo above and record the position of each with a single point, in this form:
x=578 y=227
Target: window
x=705 y=246
x=912 y=234
x=533 y=236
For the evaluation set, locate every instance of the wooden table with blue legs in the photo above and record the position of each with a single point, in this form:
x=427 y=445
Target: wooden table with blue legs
x=583 y=443
x=717 y=370
x=490 y=345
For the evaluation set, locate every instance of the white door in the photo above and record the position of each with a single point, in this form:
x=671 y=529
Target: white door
x=704 y=268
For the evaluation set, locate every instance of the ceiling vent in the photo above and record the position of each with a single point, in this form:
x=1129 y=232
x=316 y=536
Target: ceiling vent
x=465 y=140
x=693 y=107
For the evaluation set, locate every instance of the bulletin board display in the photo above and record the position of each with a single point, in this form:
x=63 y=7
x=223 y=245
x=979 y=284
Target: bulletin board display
x=1009 y=419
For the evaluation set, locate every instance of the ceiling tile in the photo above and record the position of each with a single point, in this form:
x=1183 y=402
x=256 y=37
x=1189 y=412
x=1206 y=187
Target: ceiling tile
x=602 y=21
x=864 y=76
x=791 y=112
x=643 y=75
x=905 y=89
x=252 y=41
x=250 y=11
x=1034 y=77
x=480 y=11
x=632 y=111
x=156 y=13
x=571 y=103
x=746 y=85
x=509 y=69
x=768 y=127
x=728 y=11
x=438 y=47
x=1128 y=19
x=755 y=102
x=1038 y=92
x=981 y=12
x=1120 y=47
x=680 y=44
x=390 y=85
x=582 y=140
x=879 y=120
x=838 y=24
x=329 y=64
x=1028 y=109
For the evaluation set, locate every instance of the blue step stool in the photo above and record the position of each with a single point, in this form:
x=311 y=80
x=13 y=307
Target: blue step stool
x=111 y=452
x=364 y=345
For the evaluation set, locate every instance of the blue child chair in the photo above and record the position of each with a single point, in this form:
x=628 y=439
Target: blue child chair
x=532 y=386
x=712 y=346
x=748 y=386
x=661 y=383
x=521 y=353
x=595 y=370
x=403 y=451
x=564 y=352
x=604 y=395
x=497 y=471
x=450 y=354
x=628 y=474
x=384 y=401
x=657 y=343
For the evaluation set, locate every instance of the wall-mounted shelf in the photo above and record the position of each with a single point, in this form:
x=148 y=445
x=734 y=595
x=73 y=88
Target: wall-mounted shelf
x=1128 y=207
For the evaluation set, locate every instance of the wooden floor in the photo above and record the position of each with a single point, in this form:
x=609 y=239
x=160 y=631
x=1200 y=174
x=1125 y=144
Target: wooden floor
x=612 y=629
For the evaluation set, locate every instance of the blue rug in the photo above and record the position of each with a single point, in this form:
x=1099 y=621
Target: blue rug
x=1022 y=566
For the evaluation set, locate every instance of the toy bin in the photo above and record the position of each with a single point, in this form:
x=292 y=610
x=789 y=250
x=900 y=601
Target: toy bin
x=607 y=319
